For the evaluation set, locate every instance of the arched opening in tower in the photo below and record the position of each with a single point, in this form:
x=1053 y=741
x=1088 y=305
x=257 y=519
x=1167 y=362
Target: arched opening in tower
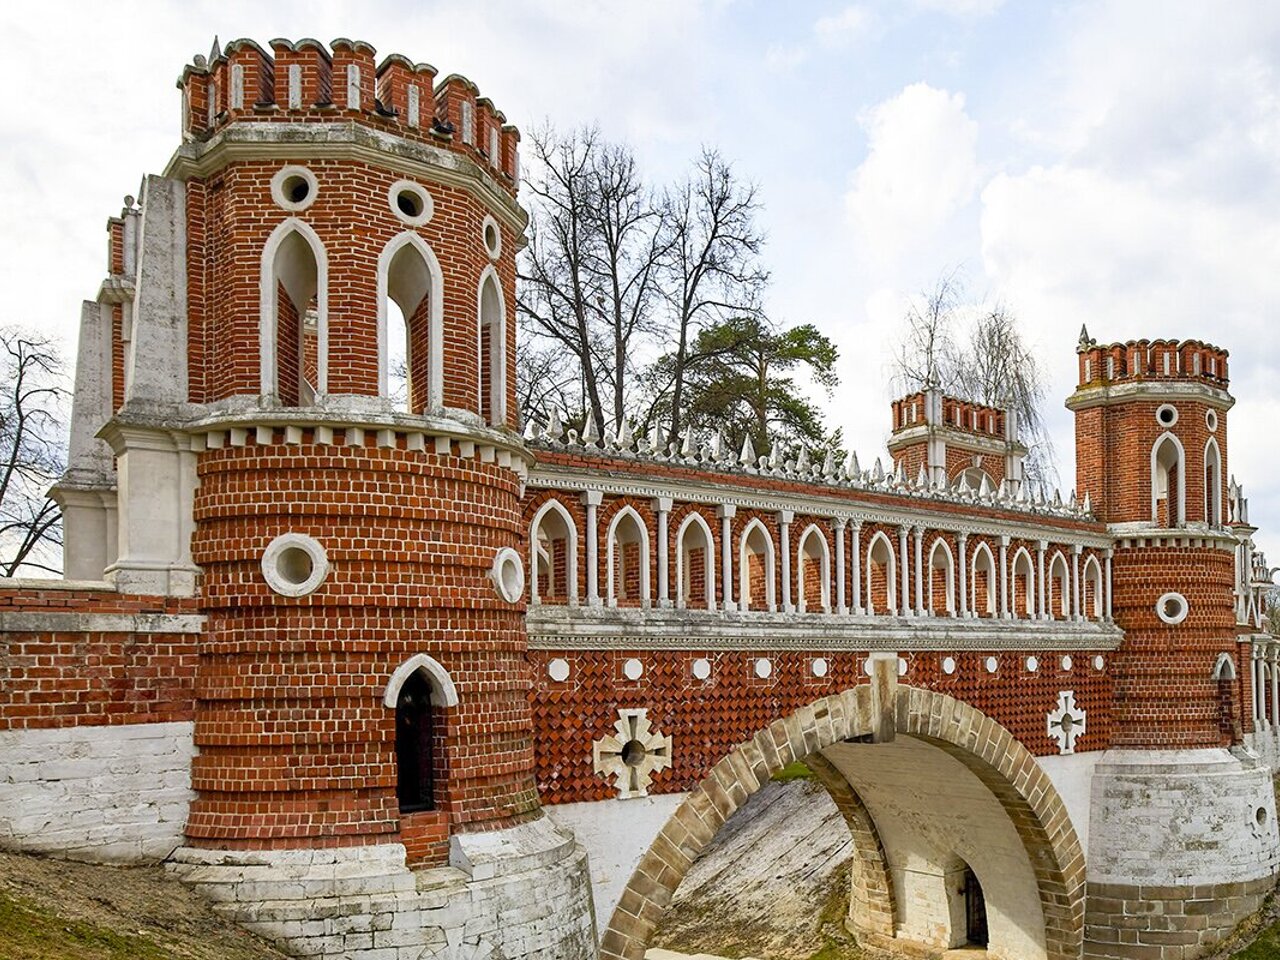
x=1167 y=480
x=297 y=321
x=409 y=288
x=415 y=779
x=493 y=381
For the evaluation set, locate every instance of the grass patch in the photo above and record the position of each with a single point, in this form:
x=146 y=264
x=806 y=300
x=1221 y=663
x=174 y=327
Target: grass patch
x=796 y=770
x=1265 y=947
x=27 y=933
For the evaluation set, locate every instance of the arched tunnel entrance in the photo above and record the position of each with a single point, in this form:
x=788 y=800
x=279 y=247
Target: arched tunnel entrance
x=958 y=835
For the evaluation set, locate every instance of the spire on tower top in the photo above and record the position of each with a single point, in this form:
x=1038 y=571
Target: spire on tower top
x=216 y=50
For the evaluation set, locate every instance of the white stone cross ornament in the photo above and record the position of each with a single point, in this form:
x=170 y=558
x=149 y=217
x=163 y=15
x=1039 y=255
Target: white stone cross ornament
x=1066 y=722
x=633 y=755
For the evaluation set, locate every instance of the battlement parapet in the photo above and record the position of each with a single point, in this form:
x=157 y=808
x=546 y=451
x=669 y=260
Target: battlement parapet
x=306 y=82
x=1187 y=361
x=711 y=453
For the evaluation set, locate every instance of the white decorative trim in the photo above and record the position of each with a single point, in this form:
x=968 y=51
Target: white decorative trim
x=763 y=668
x=21 y=621
x=1065 y=722
x=1166 y=415
x=1032 y=664
x=275 y=555
x=632 y=754
x=558 y=670
x=819 y=667
x=633 y=669
x=497 y=385
x=435 y=316
x=1099 y=662
x=1211 y=420
x=288 y=172
x=702 y=669
x=268 y=304
x=507 y=574
x=948 y=665
x=1224 y=668
x=419 y=191
x=1180 y=611
x=494 y=249
x=443 y=692
x=992 y=664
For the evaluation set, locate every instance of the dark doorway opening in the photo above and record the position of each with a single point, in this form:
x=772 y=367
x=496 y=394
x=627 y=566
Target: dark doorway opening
x=975 y=909
x=414 y=786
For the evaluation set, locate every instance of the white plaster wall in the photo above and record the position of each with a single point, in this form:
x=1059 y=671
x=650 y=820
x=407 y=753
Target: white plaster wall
x=930 y=811
x=518 y=894
x=1072 y=777
x=1180 y=817
x=616 y=834
x=102 y=794
x=1266 y=745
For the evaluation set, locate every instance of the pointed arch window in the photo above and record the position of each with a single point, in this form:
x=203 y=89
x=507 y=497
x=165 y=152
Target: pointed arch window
x=1212 y=484
x=695 y=564
x=756 y=589
x=1024 y=585
x=881 y=591
x=983 y=587
x=293 y=315
x=553 y=556
x=1168 y=482
x=942 y=594
x=1059 y=588
x=409 y=277
x=628 y=560
x=415 y=759
x=813 y=571
x=492 y=350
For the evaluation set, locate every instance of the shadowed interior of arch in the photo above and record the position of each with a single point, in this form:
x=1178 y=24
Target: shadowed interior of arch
x=955 y=842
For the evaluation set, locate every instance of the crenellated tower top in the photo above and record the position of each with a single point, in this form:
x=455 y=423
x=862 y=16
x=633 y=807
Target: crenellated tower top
x=1187 y=361
x=307 y=82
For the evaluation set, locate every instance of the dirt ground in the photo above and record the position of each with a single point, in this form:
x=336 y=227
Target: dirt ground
x=55 y=910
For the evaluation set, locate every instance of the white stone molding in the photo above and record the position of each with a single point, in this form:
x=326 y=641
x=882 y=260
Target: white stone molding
x=1066 y=722
x=762 y=668
x=940 y=545
x=294 y=565
x=491 y=237
x=443 y=692
x=507 y=574
x=1178 y=517
x=23 y=621
x=890 y=574
x=1077 y=610
x=1003 y=610
x=435 y=315
x=1041 y=601
x=701 y=669
x=426 y=204
x=632 y=754
x=558 y=669
x=1167 y=415
x=819 y=667
x=1224 y=668
x=633 y=669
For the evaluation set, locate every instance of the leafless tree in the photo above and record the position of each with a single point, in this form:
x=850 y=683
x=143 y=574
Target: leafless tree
x=984 y=360
x=712 y=268
x=590 y=272
x=32 y=451
x=545 y=377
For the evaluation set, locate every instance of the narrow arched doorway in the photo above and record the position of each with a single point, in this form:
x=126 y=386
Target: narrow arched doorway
x=975 y=909
x=415 y=783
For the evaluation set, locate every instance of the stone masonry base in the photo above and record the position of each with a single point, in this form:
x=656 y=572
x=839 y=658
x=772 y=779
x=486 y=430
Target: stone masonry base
x=522 y=893
x=1131 y=922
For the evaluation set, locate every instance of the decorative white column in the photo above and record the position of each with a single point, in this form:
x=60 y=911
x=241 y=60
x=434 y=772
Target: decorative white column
x=1075 y=581
x=592 y=500
x=662 y=507
x=1041 y=605
x=1004 y=577
x=962 y=543
x=856 y=526
x=784 y=532
x=1107 y=585
x=904 y=598
x=1253 y=679
x=838 y=525
x=919 y=545
x=726 y=513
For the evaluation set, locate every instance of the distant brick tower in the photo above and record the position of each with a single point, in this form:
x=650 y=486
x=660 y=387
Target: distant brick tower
x=311 y=370
x=953 y=440
x=1151 y=446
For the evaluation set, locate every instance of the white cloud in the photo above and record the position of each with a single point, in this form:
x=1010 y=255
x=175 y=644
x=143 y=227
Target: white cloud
x=839 y=29
x=782 y=57
x=921 y=167
x=961 y=8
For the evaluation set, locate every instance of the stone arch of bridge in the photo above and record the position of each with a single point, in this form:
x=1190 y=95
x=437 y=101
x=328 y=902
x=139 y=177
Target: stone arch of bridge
x=879 y=712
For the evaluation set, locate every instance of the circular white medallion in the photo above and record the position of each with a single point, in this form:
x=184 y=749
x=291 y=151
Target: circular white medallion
x=764 y=668
x=819 y=667
x=1033 y=664
x=992 y=664
x=410 y=202
x=507 y=574
x=633 y=669
x=902 y=666
x=948 y=665
x=1066 y=662
x=294 y=188
x=491 y=236
x=1172 y=608
x=558 y=670
x=701 y=668
x=294 y=564
x=1098 y=662
x=1166 y=414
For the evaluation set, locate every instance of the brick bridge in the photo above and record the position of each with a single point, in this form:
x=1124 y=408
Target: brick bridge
x=391 y=678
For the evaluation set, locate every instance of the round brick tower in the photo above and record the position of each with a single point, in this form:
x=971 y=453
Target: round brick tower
x=1151 y=448
x=319 y=397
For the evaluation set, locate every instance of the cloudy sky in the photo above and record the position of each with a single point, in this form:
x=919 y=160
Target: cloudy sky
x=1116 y=164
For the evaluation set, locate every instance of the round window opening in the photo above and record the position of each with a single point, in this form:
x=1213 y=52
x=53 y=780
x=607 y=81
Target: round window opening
x=294 y=187
x=410 y=204
x=1167 y=415
x=1211 y=420
x=492 y=238
x=1260 y=816
x=294 y=565
x=633 y=753
x=1172 y=608
x=507 y=574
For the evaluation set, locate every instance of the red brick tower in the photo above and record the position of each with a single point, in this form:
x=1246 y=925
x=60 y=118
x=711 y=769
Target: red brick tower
x=1151 y=445
x=955 y=440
